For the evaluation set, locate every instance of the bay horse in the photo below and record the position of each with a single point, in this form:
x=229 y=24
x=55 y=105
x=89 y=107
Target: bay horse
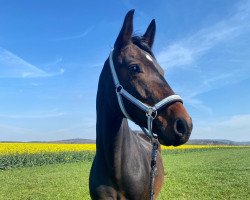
x=121 y=167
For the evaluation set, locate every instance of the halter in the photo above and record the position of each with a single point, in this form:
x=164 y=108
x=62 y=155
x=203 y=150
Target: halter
x=151 y=113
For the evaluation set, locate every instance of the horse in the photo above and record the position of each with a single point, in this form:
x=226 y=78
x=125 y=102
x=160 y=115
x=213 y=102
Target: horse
x=122 y=164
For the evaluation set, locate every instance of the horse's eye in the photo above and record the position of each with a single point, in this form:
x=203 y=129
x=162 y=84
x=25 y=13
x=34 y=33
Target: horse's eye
x=134 y=68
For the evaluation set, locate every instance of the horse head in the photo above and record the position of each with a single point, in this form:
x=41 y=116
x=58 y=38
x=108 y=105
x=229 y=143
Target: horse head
x=140 y=74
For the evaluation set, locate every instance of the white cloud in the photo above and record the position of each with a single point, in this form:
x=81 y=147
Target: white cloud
x=175 y=55
x=35 y=115
x=12 y=66
x=186 y=51
x=62 y=70
x=77 y=36
x=53 y=63
x=235 y=128
x=195 y=57
x=198 y=104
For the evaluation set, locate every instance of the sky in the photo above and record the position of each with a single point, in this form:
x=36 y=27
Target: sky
x=52 y=53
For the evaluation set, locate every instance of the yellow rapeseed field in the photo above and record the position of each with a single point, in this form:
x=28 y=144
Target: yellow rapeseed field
x=33 y=148
x=187 y=146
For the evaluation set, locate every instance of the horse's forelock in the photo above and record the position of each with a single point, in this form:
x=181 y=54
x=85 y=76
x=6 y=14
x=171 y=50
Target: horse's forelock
x=142 y=44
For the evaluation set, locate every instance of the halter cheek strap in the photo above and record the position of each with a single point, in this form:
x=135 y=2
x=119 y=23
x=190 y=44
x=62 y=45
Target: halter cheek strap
x=151 y=111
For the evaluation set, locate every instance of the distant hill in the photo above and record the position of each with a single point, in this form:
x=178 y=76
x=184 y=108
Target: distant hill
x=69 y=141
x=217 y=142
x=75 y=141
x=191 y=141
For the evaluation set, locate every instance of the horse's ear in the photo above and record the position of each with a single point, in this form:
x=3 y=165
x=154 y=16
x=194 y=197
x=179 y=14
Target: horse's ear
x=149 y=35
x=126 y=31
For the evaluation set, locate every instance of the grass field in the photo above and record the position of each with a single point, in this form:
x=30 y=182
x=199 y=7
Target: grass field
x=222 y=173
x=14 y=155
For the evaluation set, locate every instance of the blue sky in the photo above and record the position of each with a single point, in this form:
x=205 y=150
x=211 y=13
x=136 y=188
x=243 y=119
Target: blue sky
x=52 y=52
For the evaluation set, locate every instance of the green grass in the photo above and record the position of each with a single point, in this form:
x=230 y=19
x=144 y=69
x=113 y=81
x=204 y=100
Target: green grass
x=208 y=174
x=39 y=159
x=56 y=181
x=199 y=174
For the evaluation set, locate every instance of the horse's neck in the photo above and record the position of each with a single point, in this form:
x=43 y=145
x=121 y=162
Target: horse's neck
x=113 y=138
x=121 y=155
x=112 y=129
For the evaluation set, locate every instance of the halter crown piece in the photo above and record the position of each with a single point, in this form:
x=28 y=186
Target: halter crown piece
x=151 y=111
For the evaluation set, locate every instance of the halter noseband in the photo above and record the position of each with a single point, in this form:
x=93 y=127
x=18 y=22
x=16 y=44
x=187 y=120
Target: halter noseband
x=151 y=111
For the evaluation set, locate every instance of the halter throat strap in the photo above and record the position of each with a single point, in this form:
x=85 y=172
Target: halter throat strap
x=151 y=111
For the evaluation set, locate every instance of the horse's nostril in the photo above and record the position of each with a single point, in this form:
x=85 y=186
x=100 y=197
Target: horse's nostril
x=180 y=127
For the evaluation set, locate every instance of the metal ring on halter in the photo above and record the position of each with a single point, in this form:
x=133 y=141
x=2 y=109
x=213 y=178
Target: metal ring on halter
x=118 y=89
x=152 y=112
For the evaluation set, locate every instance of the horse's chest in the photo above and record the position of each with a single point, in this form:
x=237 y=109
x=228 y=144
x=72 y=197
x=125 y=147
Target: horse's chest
x=132 y=175
x=134 y=171
x=135 y=175
x=132 y=180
